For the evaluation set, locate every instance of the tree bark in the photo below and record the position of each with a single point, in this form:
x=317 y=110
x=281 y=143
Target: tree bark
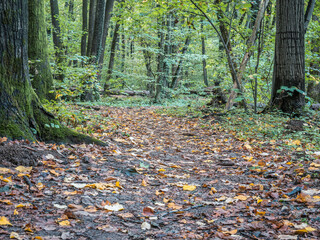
x=114 y=43
x=57 y=40
x=204 y=62
x=84 y=27
x=40 y=70
x=92 y=18
x=21 y=113
x=289 y=67
x=109 y=8
x=98 y=29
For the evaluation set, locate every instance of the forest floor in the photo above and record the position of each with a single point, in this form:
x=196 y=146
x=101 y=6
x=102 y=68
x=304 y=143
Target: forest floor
x=161 y=177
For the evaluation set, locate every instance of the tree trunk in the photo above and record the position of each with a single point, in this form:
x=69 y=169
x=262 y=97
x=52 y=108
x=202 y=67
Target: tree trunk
x=21 y=113
x=248 y=53
x=98 y=29
x=160 y=64
x=115 y=40
x=84 y=27
x=289 y=67
x=109 y=8
x=40 y=70
x=92 y=18
x=177 y=72
x=204 y=62
x=57 y=40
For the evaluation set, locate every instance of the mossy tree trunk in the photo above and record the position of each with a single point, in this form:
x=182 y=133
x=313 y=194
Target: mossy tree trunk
x=40 y=70
x=21 y=113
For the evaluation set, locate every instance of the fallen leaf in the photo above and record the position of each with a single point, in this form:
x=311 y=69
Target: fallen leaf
x=15 y=235
x=126 y=215
x=4 y=221
x=148 y=211
x=189 y=187
x=23 y=169
x=145 y=226
x=115 y=207
x=65 y=223
x=305 y=230
x=241 y=197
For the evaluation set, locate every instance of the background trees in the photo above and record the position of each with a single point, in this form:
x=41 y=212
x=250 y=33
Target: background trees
x=169 y=48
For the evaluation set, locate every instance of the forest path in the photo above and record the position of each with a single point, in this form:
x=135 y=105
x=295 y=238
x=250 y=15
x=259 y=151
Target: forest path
x=163 y=177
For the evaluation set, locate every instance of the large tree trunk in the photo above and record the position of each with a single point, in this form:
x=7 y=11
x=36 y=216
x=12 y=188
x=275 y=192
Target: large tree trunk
x=92 y=18
x=98 y=29
x=289 y=66
x=42 y=81
x=21 y=113
x=109 y=8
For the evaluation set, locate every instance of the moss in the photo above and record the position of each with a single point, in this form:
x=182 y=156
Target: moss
x=15 y=131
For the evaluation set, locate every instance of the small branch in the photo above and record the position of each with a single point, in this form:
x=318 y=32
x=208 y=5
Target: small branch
x=308 y=15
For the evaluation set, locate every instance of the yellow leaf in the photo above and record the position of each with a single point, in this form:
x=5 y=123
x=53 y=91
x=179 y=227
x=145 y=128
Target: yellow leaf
x=54 y=173
x=14 y=235
x=316 y=165
x=7 y=180
x=316 y=197
x=4 y=221
x=72 y=157
x=38 y=238
x=143 y=183
x=305 y=230
x=15 y=212
x=5 y=170
x=241 y=197
x=189 y=188
x=213 y=190
x=161 y=170
x=118 y=185
x=259 y=200
x=21 y=205
x=24 y=169
x=296 y=142
x=40 y=186
x=28 y=229
x=64 y=223
x=8 y=202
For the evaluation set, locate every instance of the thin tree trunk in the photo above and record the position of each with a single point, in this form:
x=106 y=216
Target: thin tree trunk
x=308 y=15
x=247 y=55
x=84 y=27
x=57 y=40
x=204 y=62
x=115 y=40
x=160 y=67
x=179 y=67
x=42 y=80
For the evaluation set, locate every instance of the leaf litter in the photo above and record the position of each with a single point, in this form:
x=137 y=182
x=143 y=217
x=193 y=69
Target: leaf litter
x=161 y=177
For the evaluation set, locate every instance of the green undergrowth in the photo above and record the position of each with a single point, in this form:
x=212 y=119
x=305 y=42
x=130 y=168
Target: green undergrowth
x=275 y=128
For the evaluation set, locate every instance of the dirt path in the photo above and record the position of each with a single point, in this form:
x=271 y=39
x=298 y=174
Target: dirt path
x=161 y=177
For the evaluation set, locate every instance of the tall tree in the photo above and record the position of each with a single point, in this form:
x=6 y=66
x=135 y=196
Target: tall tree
x=57 y=39
x=109 y=8
x=84 y=27
x=98 y=28
x=21 y=113
x=115 y=41
x=204 y=61
x=92 y=18
x=289 y=68
x=40 y=69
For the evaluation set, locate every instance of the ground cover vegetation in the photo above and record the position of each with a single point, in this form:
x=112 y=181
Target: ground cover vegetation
x=151 y=119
